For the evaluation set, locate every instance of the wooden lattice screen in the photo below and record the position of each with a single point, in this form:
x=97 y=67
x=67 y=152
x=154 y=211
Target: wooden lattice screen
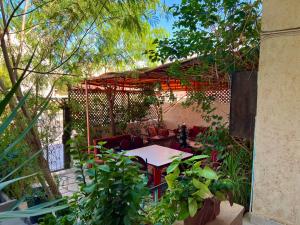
x=126 y=106
x=222 y=96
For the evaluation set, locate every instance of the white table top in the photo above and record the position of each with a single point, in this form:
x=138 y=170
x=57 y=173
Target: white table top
x=157 y=155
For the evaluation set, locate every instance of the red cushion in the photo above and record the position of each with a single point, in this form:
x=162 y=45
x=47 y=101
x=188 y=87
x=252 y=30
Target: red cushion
x=175 y=145
x=192 y=134
x=196 y=130
x=176 y=131
x=125 y=144
x=137 y=142
x=113 y=142
x=163 y=132
x=152 y=131
x=199 y=129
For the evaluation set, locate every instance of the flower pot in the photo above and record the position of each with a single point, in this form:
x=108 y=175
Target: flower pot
x=209 y=211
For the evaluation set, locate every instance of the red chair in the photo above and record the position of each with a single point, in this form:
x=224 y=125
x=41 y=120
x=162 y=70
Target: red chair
x=137 y=142
x=175 y=145
x=193 y=132
x=163 y=132
x=152 y=131
x=187 y=150
x=143 y=167
x=111 y=142
x=125 y=144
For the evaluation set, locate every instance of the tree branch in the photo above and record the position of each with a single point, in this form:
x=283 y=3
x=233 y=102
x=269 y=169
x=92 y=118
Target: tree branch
x=30 y=11
x=22 y=36
x=7 y=22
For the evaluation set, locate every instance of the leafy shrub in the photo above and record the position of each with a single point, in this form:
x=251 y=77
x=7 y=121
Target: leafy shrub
x=235 y=157
x=110 y=193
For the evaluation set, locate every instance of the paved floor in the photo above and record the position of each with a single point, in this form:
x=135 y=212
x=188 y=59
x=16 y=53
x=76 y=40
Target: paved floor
x=67 y=181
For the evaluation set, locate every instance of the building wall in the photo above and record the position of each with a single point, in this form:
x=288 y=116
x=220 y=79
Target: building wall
x=276 y=193
x=177 y=114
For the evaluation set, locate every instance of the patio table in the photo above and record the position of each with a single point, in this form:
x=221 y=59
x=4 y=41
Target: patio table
x=158 y=157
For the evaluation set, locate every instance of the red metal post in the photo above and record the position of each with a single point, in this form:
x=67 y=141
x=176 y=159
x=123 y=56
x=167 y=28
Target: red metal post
x=87 y=116
x=157 y=179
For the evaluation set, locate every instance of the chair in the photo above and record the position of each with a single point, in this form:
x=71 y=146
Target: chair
x=175 y=145
x=187 y=150
x=163 y=132
x=195 y=130
x=141 y=163
x=125 y=144
x=152 y=131
x=137 y=142
x=143 y=168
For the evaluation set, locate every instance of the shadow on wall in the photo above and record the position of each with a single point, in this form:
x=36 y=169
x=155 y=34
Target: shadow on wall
x=177 y=114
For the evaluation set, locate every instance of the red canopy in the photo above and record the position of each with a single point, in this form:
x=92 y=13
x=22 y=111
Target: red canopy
x=141 y=78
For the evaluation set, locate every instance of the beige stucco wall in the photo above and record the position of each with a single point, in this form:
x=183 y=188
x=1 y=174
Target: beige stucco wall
x=177 y=114
x=276 y=193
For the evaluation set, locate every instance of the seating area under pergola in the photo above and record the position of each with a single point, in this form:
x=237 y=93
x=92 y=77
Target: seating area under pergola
x=114 y=89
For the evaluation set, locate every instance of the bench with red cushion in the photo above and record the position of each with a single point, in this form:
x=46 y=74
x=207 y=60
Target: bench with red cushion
x=195 y=130
x=115 y=142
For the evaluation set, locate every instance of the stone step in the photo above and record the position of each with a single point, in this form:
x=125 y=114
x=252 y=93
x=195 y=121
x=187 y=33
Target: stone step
x=229 y=215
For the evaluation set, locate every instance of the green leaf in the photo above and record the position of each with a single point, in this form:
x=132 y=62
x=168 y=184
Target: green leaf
x=104 y=168
x=170 y=178
x=29 y=212
x=193 y=206
x=47 y=204
x=6 y=183
x=90 y=188
x=20 y=166
x=126 y=220
x=203 y=190
x=27 y=129
x=184 y=211
x=172 y=167
x=91 y=172
x=196 y=165
x=10 y=94
x=208 y=173
x=13 y=114
x=197 y=157
x=202 y=193
x=220 y=196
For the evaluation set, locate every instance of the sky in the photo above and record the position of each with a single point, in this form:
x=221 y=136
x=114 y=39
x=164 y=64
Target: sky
x=167 y=22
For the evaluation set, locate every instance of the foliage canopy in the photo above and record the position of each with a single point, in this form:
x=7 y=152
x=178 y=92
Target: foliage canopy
x=224 y=34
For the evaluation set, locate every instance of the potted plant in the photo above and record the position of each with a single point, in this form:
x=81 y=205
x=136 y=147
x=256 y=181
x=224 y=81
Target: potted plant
x=193 y=194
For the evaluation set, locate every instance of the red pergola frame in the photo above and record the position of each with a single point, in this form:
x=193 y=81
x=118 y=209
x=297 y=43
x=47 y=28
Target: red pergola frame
x=137 y=80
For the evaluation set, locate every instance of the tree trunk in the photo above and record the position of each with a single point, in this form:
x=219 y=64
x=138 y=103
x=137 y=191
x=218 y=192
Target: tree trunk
x=34 y=143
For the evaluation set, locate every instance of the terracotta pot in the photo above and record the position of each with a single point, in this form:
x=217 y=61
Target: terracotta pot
x=209 y=211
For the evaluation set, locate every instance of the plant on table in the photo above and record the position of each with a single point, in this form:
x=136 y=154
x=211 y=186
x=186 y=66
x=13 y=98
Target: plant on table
x=188 y=191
